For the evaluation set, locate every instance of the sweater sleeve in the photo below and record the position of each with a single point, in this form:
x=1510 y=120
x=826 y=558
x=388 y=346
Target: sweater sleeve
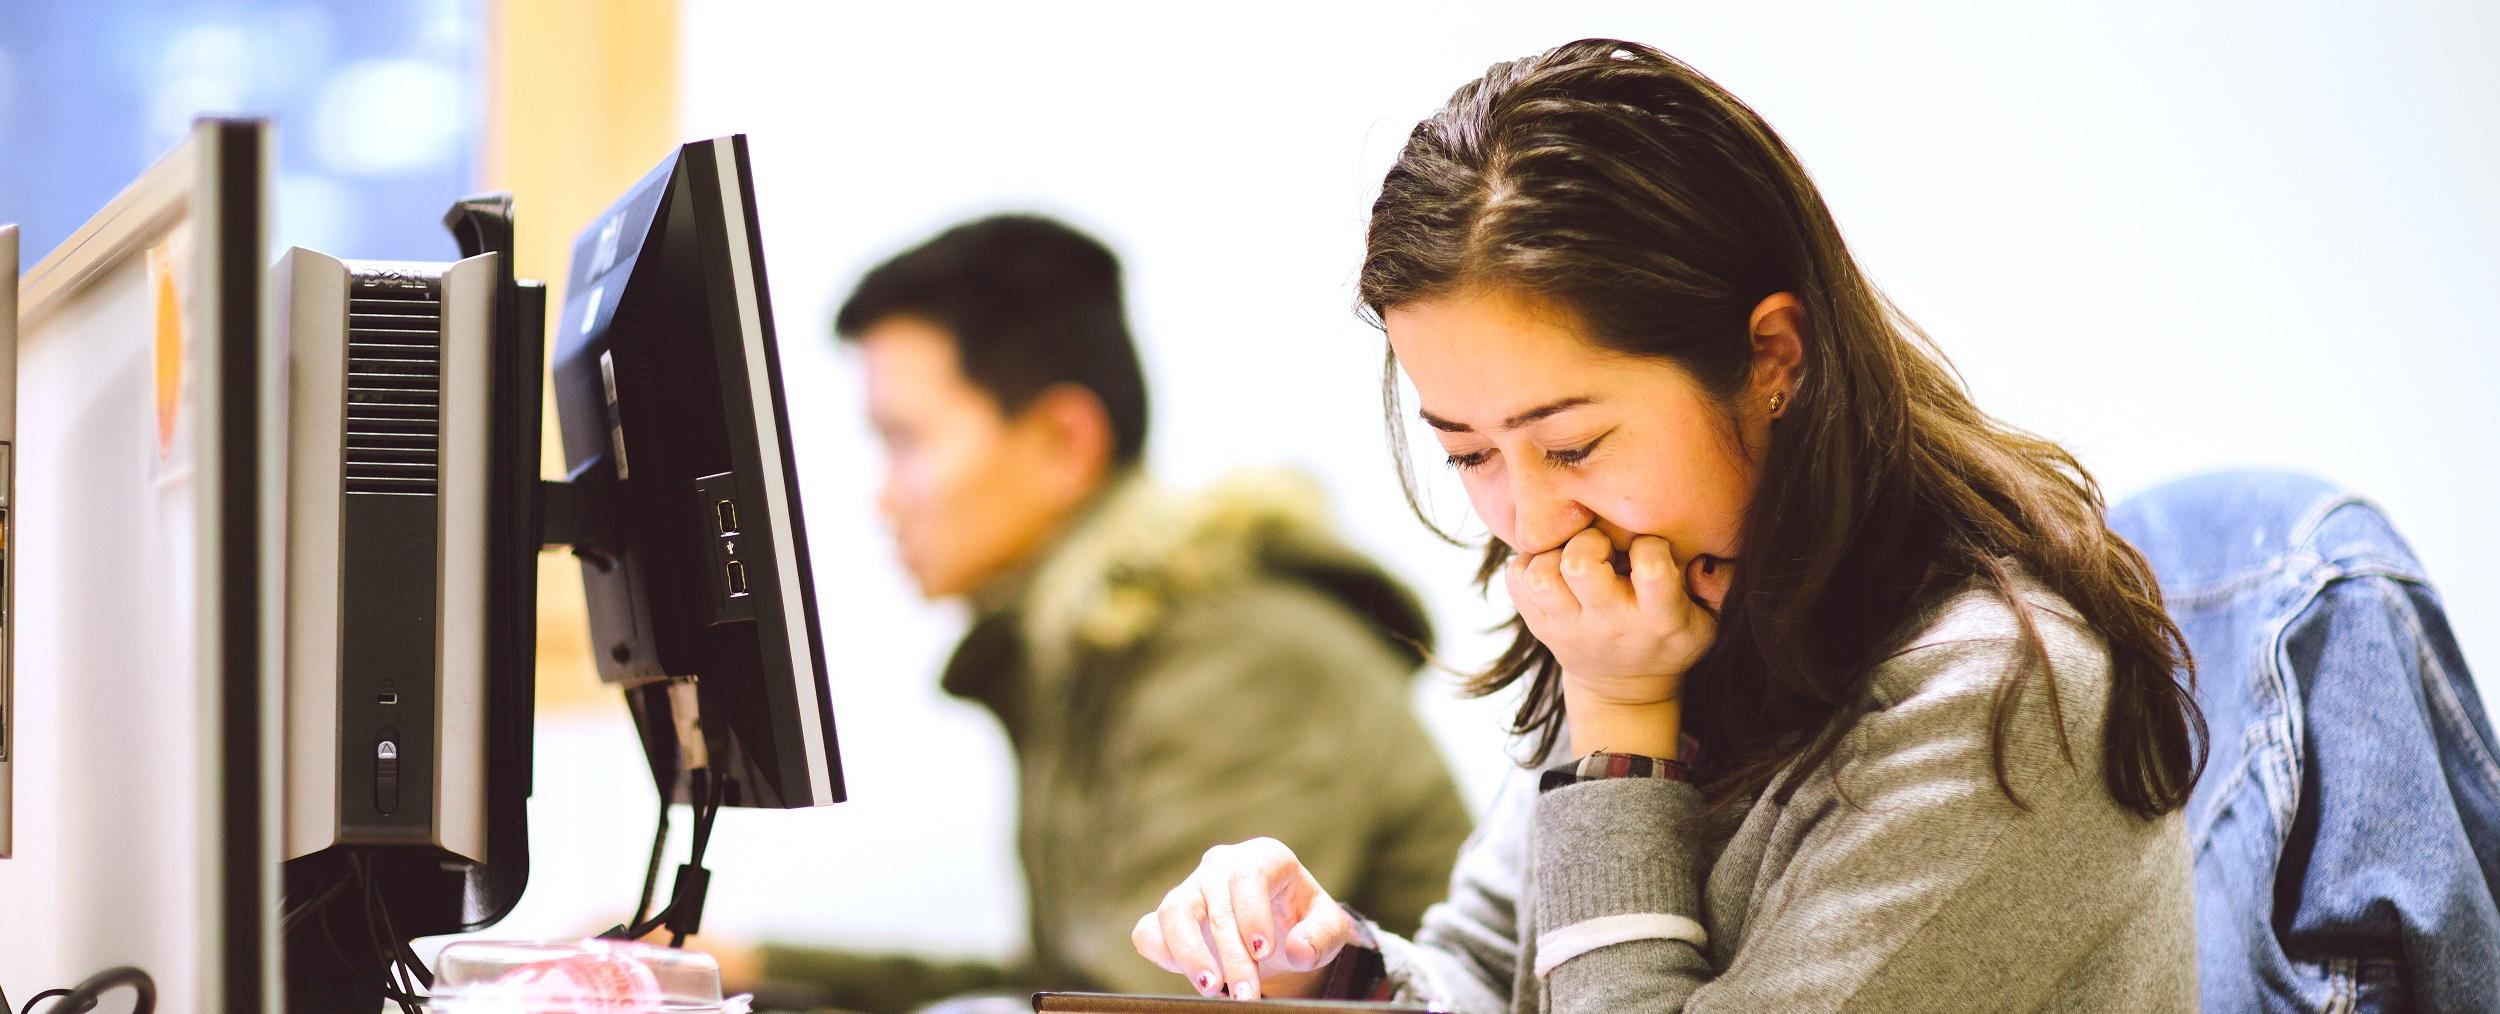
x=1921 y=886
x=1466 y=955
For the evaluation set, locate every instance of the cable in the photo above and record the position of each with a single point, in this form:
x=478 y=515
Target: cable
x=288 y=921
x=84 y=996
x=405 y=954
x=38 y=998
x=391 y=973
x=642 y=924
x=329 y=935
x=684 y=912
x=651 y=873
x=693 y=881
x=386 y=944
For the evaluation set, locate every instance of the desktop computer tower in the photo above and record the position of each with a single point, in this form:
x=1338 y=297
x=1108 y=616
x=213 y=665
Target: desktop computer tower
x=390 y=377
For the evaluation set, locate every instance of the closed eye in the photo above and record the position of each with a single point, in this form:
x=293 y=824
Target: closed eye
x=1574 y=456
x=1470 y=460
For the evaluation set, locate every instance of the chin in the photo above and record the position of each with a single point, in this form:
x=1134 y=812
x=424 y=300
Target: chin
x=935 y=591
x=930 y=586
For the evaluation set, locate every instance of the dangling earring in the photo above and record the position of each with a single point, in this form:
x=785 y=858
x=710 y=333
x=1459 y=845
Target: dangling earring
x=1779 y=399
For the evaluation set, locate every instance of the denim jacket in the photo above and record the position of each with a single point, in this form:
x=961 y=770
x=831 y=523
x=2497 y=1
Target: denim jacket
x=2346 y=831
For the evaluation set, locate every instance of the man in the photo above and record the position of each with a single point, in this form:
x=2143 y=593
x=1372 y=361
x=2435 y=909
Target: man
x=1116 y=625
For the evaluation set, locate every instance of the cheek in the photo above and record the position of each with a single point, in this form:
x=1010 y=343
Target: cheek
x=936 y=480
x=1643 y=494
x=907 y=483
x=1491 y=501
x=1693 y=499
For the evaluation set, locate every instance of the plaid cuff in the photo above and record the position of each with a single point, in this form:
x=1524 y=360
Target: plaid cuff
x=1358 y=973
x=1623 y=765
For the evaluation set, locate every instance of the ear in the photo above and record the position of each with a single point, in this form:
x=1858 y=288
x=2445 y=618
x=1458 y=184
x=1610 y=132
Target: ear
x=1071 y=430
x=1779 y=351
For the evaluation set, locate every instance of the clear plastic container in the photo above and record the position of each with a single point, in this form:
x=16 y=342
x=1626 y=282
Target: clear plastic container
x=579 y=977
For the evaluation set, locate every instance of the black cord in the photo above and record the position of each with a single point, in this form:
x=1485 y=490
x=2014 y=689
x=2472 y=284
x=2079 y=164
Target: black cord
x=385 y=944
x=640 y=926
x=407 y=952
x=85 y=994
x=329 y=935
x=397 y=945
x=706 y=794
x=39 y=998
x=288 y=921
x=390 y=965
x=709 y=810
x=702 y=799
x=684 y=912
x=651 y=873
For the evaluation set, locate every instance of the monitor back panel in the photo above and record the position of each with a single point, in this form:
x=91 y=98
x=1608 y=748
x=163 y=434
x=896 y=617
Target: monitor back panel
x=147 y=755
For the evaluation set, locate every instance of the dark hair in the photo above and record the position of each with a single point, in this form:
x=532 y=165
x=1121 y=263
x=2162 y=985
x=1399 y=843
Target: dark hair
x=1635 y=193
x=1031 y=304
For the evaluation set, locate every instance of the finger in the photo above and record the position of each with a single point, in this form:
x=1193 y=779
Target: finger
x=1657 y=583
x=1315 y=941
x=1254 y=908
x=1515 y=582
x=1588 y=569
x=1148 y=939
x=1232 y=951
x=1545 y=584
x=1184 y=917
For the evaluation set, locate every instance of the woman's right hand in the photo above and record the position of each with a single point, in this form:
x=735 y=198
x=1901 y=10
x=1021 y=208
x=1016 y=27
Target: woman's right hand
x=1250 y=918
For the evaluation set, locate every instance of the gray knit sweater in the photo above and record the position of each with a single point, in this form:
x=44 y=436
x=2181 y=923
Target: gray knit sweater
x=1931 y=892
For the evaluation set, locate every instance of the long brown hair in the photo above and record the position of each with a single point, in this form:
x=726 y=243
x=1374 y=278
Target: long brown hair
x=1625 y=186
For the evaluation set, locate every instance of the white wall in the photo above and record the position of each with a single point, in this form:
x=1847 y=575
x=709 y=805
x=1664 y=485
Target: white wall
x=2172 y=239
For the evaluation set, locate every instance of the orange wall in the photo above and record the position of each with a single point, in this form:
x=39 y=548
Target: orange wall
x=582 y=102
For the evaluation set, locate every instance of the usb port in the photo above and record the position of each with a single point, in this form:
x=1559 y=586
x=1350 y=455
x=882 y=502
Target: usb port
x=387 y=697
x=736 y=574
x=726 y=512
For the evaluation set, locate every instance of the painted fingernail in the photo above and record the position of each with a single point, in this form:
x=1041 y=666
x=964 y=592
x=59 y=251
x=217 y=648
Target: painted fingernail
x=1241 y=991
x=1258 y=947
x=1206 y=982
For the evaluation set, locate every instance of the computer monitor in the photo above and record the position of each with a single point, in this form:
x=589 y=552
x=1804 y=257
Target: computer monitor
x=682 y=489
x=143 y=744
x=8 y=490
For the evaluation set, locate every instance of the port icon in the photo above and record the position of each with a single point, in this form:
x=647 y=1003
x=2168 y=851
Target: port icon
x=726 y=512
x=735 y=573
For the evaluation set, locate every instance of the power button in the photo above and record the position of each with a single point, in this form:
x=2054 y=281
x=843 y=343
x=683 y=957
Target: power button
x=386 y=776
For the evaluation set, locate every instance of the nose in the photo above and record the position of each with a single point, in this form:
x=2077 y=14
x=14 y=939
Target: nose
x=1543 y=515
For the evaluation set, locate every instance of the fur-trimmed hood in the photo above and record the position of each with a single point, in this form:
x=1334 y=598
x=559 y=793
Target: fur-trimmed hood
x=1142 y=549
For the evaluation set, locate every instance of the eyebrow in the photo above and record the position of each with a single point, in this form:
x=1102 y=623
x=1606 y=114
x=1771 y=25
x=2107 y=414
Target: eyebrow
x=1512 y=423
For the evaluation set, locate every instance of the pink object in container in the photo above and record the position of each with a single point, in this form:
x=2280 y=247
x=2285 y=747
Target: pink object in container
x=580 y=977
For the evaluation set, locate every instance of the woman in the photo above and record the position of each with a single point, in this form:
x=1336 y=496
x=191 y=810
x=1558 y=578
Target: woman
x=1864 y=706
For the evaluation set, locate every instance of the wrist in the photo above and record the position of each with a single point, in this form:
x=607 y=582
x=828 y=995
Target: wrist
x=1358 y=972
x=1649 y=729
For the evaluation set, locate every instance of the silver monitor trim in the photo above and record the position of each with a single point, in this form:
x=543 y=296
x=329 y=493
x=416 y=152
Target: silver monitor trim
x=803 y=664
